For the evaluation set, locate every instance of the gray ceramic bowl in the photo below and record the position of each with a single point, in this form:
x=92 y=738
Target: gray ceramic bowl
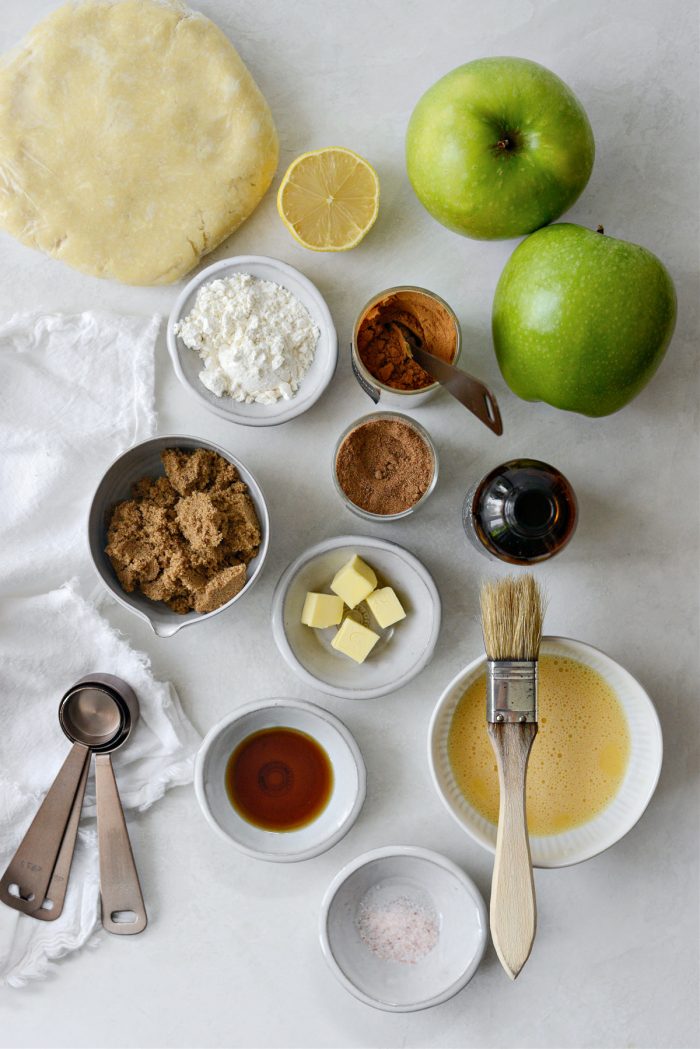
x=143 y=460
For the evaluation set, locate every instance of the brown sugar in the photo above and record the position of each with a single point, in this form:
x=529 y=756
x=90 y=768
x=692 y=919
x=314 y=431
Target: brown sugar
x=392 y=325
x=384 y=466
x=186 y=538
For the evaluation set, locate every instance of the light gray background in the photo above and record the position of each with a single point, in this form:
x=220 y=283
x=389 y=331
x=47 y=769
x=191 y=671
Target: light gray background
x=231 y=957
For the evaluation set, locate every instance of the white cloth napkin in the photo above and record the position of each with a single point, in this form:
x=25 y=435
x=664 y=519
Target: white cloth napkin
x=76 y=391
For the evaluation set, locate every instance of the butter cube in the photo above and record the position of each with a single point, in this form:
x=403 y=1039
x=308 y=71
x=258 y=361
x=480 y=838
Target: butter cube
x=354 y=581
x=385 y=607
x=322 y=610
x=355 y=640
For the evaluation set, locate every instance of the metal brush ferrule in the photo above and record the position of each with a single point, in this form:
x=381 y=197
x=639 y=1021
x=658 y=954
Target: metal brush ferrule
x=511 y=691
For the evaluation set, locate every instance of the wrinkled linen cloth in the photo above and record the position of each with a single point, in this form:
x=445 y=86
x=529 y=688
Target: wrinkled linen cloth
x=77 y=390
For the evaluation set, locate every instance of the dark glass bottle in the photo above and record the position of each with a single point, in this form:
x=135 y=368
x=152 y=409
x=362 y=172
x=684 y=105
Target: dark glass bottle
x=521 y=512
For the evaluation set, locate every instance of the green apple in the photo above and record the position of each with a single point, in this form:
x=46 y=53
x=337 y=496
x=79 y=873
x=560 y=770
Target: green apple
x=498 y=148
x=581 y=320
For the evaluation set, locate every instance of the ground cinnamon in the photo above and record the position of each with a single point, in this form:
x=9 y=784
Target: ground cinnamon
x=384 y=466
x=391 y=326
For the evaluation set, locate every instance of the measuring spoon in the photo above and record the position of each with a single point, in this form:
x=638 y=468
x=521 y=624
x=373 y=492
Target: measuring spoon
x=123 y=909
x=52 y=907
x=80 y=697
x=25 y=883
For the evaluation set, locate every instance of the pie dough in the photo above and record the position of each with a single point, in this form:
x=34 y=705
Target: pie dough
x=133 y=139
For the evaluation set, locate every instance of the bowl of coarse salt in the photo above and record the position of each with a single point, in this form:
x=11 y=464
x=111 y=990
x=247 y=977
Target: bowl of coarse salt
x=403 y=928
x=253 y=340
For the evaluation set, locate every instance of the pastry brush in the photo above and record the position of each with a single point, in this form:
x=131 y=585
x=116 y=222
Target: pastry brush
x=511 y=620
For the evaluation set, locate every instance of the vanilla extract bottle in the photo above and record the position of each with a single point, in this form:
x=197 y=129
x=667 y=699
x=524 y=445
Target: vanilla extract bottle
x=522 y=512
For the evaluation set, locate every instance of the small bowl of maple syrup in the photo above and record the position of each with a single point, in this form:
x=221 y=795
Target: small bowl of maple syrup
x=281 y=780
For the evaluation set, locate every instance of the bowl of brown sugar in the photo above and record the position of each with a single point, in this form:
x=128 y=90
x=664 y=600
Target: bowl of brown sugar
x=178 y=530
x=385 y=466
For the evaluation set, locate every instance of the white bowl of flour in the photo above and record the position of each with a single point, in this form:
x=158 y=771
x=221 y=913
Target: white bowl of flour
x=253 y=340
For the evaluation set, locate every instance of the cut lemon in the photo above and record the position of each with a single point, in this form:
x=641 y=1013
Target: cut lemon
x=329 y=199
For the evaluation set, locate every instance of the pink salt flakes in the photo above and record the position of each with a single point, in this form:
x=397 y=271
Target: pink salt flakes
x=398 y=928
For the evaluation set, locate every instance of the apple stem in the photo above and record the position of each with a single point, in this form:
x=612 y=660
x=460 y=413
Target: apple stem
x=509 y=141
x=600 y=229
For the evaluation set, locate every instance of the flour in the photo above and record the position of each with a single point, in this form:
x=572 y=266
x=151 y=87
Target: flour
x=256 y=339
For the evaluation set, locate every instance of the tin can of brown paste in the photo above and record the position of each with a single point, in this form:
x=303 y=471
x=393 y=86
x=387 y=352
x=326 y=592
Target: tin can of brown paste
x=397 y=316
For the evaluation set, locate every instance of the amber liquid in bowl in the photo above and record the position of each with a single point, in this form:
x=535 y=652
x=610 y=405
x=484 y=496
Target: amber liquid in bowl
x=279 y=779
x=578 y=759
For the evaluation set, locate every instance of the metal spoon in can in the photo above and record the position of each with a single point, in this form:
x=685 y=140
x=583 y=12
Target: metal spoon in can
x=465 y=388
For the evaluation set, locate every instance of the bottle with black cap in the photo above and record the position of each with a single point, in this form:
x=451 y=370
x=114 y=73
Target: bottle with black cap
x=522 y=512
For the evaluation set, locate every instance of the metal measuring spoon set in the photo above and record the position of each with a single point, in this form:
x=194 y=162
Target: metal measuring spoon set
x=97 y=715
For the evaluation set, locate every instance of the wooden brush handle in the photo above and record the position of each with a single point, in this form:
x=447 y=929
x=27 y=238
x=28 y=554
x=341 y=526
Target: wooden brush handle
x=513 y=910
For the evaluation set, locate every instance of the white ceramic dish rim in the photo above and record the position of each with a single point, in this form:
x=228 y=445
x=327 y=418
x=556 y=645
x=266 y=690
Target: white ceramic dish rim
x=295 y=407
x=286 y=650
x=181 y=622
x=387 y=852
x=281 y=703
x=578 y=648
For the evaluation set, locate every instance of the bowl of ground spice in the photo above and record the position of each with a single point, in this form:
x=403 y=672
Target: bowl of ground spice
x=385 y=330
x=178 y=530
x=385 y=466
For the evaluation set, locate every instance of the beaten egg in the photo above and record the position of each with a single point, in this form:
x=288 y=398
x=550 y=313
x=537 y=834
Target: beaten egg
x=578 y=759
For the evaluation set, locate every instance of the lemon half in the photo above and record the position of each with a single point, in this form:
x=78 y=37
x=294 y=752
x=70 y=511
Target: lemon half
x=329 y=199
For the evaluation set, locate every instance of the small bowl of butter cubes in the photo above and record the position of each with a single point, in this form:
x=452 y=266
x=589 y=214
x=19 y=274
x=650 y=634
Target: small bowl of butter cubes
x=356 y=617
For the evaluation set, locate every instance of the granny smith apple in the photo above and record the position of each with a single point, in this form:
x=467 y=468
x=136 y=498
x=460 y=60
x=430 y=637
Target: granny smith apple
x=581 y=320
x=498 y=148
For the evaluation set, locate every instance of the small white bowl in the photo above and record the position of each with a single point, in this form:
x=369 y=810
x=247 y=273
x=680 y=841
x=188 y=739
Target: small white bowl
x=332 y=824
x=431 y=880
x=403 y=651
x=188 y=364
x=636 y=790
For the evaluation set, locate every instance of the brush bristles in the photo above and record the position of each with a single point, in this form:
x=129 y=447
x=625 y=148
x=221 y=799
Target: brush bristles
x=511 y=618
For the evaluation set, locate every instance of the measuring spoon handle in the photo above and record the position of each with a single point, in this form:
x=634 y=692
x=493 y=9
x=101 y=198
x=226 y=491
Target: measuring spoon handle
x=31 y=867
x=56 y=892
x=123 y=910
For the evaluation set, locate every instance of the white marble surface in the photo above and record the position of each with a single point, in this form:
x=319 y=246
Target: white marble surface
x=231 y=956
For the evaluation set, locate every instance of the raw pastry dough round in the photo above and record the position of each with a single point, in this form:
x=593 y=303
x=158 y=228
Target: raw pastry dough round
x=133 y=139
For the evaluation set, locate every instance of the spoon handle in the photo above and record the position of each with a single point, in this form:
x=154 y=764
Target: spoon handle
x=467 y=389
x=25 y=883
x=123 y=910
x=56 y=892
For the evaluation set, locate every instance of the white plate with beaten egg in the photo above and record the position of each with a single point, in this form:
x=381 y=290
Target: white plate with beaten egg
x=636 y=779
